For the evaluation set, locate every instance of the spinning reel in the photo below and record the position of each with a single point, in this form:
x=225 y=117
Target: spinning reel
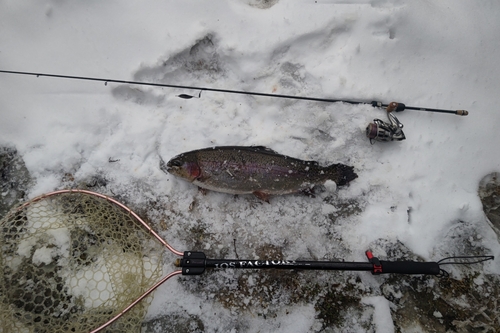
x=382 y=131
x=393 y=130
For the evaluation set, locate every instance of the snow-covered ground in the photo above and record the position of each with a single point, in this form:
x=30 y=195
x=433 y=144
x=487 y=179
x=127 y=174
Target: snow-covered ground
x=420 y=193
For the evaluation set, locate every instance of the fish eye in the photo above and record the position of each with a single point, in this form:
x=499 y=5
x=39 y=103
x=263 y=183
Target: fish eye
x=176 y=163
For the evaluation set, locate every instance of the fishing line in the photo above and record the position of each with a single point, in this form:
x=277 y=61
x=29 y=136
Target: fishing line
x=468 y=260
x=80 y=261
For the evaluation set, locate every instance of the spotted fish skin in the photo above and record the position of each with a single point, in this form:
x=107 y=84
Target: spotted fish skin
x=253 y=169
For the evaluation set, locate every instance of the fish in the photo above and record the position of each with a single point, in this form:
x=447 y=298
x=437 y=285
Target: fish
x=256 y=170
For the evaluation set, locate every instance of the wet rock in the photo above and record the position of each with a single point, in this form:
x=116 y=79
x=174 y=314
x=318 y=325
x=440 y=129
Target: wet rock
x=178 y=322
x=263 y=4
x=14 y=179
x=489 y=192
x=422 y=303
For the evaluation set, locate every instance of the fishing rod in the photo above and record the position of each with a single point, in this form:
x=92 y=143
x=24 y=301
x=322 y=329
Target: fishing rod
x=376 y=131
x=400 y=107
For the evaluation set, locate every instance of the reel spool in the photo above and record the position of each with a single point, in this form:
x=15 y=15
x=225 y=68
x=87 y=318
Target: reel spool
x=383 y=131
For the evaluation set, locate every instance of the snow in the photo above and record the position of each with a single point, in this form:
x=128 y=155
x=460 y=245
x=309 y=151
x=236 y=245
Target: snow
x=420 y=191
x=58 y=236
x=382 y=314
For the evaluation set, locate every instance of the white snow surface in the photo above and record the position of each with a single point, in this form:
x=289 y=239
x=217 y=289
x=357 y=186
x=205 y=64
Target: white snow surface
x=421 y=191
x=382 y=313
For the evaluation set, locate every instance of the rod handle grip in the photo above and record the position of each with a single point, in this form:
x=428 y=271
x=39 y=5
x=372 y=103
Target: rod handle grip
x=409 y=267
x=395 y=106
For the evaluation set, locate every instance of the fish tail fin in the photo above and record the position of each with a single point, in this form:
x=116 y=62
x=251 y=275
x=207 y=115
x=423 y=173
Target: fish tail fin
x=341 y=174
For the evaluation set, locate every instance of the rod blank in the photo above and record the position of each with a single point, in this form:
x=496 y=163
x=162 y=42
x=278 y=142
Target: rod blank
x=229 y=91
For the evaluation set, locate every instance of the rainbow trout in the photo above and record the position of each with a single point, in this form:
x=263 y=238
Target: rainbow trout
x=254 y=169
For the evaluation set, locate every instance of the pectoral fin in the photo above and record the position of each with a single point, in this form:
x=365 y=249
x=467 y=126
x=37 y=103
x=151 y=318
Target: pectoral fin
x=262 y=196
x=309 y=192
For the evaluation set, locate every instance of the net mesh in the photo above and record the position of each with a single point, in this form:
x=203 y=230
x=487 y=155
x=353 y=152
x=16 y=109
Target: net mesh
x=71 y=262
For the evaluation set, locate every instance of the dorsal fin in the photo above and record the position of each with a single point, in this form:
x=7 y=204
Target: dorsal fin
x=263 y=149
x=258 y=149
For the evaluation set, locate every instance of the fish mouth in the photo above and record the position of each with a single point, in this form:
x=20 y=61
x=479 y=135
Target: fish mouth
x=173 y=165
x=170 y=168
